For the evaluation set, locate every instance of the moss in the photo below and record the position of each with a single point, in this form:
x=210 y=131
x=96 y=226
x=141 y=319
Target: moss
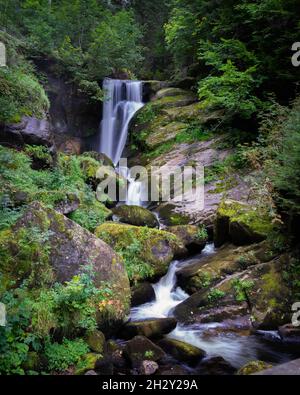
x=87 y=362
x=253 y=367
x=90 y=214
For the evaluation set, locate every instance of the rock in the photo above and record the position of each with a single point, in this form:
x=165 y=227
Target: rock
x=240 y=223
x=71 y=146
x=90 y=373
x=148 y=368
x=157 y=248
x=140 y=349
x=185 y=83
x=183 y=98
x=87 y=363
x=69 y=246
x=187 y=310
x=152 y=328
x=215 y=366
x=193 y=237
x=174 y=370
x=253 y=367
x=69 y=204
x=136 y=215
x=290 y=333
x=170 y=216
x=170 y=92
x=100 y=157
x=95 y=341
x=192 y=111
x=182 y=351
x=151 y=87
x=142 y=293
x=104 y=366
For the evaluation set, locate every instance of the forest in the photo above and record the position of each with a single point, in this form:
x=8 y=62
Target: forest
x=93 y=286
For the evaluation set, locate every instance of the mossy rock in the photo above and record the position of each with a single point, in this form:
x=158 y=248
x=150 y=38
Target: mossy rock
x=182 y=351
x=180 y=100
x=136 y=215
x=156 y=248
x=153 y=328
x=171 y=92
x=140 y=349
x=96 y=341
x=87 y=362
x=100 y=157
x=159 y=133
x=192 y=236
x=46 y=247
x=193 y=112
x=170 y=216
x=253 y=367
x=240 y=223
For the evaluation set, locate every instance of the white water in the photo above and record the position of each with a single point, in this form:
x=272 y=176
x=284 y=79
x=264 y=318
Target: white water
x=167 y=295
x=123 y=100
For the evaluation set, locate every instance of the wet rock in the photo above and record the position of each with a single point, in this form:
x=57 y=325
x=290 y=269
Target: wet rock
x=240 y=223
x=142 y=293
x=152 y=328
x=104 y=366
x=148 y=368
x=182 y=351
x=253 y=367
x=215 y=366
x=140 y=349
x=169 y=215
x=157 y=248
x=193 y=237
x=69 y=204
x=222 y=313
x=30 y=130
x=70 y=246
x=174 y=370
x=91 y=373
x=136 y=215
x=87 y=363
x=187 y=310
x=290 y=333
x=95 y=340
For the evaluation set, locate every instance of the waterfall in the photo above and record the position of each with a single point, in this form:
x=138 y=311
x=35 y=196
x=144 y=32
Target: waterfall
x=123 y=100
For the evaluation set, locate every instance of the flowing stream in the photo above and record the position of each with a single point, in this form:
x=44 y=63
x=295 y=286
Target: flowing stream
x=124 y=99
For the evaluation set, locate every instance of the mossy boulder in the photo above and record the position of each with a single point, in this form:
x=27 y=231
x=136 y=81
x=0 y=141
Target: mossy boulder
x=171 y=92
x=88 y=362
x=240 y=223
x=140 y=349
x=136 y=215
x=152 y=328
x=160 y=133
x=95 y=340
x=152 y=247
x=46 y=247
x=182 y=351
x=193 y=112
x=169 y=215
x=100 y=157
x=192 y=236
x=253 y=367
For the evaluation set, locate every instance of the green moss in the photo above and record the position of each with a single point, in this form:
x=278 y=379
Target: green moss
x=90 y=214
x=253 y=367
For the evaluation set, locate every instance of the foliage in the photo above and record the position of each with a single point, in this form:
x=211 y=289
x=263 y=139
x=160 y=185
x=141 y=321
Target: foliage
x=215 y=294
x=61 y=356
x=242 y=288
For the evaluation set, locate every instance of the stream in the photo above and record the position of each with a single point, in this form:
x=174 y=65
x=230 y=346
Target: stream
x=124 y=99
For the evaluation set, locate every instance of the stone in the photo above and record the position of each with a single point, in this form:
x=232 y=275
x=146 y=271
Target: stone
x=142 y=293
x=174 y=370
x=148 y=368
x=71 y=146
x=192 y=236
x=70 y=247
x=215 y=366
x=87 y=363
x=30 y=131
x=90 y=373
x=95 y=340
x=157 y=248
x=135 y=215
x=153 y=328
x=182 y=351
x=253 y=367
x=140 y=349
x=289 y=333
x=69 y=204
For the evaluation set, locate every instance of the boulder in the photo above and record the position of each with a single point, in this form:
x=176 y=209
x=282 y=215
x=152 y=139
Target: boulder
x=142 y=293
x=152 y=328
x=96 y=341
x=157 y=248
x=135 y=215
x=253 y=367
x=140 y=349
x=66 y=248
x=30 y=130
x=290 y=333
x=215 y=366
x=148 y=368
x=173 y=370
x=169 y=215
x=193 y=237
x=87 y=363
x=100 y=157
x=68 y=204
x=182 y=351
x=240 y=223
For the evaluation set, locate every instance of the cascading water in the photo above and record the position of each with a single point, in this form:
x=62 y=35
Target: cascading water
x=124 y=99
